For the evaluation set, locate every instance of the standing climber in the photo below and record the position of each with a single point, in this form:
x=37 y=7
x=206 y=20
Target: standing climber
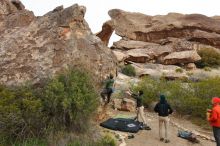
x=163 y=109
x=108 y=89
x=213 y=116
x=140 y=107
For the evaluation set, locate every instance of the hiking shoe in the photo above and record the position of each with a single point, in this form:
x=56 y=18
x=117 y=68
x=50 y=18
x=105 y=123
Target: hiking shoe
x=135 y=119
x=130 y=136
x=161 y=139
x=167 y=141
x=147 y=128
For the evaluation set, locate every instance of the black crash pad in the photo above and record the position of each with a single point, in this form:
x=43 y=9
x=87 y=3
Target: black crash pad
x=122 y=124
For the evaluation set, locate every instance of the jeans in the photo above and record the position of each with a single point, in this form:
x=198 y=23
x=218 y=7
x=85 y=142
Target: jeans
x=216 y=132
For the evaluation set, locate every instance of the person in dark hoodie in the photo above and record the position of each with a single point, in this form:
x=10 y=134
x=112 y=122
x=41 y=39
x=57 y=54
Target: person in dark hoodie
x=163 y=109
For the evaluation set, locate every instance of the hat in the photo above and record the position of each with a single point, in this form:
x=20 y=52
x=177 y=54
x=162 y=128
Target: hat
x=215 y=100
x=162 y=98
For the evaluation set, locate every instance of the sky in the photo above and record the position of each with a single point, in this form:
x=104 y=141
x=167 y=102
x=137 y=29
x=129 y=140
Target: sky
x=97 y=10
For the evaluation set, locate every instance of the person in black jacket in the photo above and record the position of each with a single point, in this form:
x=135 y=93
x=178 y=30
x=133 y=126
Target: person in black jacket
x=140 y=107
x=163 y=109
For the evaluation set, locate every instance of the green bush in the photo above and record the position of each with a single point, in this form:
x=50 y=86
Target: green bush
x=179 y=70
x=186 y=98
x=129 y=70
x=210 y=58
x=32 y=142
x=105 y=141
x=66 y=102
x=207 y=68
x=20 y=114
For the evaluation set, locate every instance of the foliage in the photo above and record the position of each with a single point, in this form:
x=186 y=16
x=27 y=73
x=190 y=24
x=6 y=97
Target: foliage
x=65 y=102
x=192 y=98
x=207 y=68
x=179 y=70
x=69 y=100
x=32 y=142
x=210 y=58
x=20 y=114
x=129 y=70
x=105 y=141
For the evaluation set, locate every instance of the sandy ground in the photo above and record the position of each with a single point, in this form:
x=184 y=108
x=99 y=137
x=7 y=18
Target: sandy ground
x=151 y=138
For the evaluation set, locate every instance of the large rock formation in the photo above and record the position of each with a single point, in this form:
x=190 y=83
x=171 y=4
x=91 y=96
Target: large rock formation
x=39 y=47
x=194 y=27
x=171 y=39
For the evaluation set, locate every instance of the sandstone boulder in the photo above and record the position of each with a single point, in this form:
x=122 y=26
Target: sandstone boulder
x=106 y=32
x=117 y=103
x=177 y=44
x=149 y=54
x=182 y=57
x=51 y=44
x=123 y=82
x=128 y=105
x=159 y=70
x=121 y=56
x=140 y=27
x=132 y=44
x=141 y=52
x=190 y=66
x=138 y=55
x=124 y=104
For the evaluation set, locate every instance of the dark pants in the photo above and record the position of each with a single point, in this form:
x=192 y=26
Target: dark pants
x=108 y=92
x=216 y=132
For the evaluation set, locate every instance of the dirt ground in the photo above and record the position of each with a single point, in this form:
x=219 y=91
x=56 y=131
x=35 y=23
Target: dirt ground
x=151 y=138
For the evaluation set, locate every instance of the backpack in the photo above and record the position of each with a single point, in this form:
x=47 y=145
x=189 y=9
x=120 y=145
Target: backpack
x=188 y=135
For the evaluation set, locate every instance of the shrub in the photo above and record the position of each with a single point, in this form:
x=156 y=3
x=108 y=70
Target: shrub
x=32 y=142
x=189 y=73
x=207 y=68
x=107 y=140
x=186 y=98
x=210 y=58
x=20 y=114
x=179 y=70
x=104 y=141
x=129 y=70
x=68 y=100
x=65 y=102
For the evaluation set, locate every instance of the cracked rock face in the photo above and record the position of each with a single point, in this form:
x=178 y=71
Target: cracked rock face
x=33 y=48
